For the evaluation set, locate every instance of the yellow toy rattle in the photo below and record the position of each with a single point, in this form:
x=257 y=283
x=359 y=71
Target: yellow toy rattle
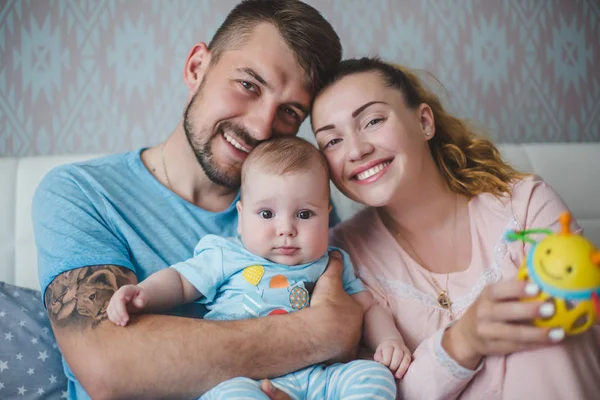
x=566 y=267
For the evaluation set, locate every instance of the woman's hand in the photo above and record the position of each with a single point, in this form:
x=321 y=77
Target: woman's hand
x=497 y=323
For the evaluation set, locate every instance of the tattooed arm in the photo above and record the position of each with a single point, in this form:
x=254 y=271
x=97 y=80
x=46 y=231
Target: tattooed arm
x=160 y=356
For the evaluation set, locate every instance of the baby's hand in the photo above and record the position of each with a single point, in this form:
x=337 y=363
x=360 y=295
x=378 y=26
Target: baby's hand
x=128 y=299
x=395 y=355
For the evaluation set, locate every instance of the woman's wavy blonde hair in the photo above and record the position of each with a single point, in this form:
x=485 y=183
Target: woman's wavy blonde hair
x=470 y=164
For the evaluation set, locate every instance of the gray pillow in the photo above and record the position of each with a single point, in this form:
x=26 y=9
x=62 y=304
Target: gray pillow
x=30 y=362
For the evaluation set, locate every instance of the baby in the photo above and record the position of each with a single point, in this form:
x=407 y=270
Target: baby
x=271 y=268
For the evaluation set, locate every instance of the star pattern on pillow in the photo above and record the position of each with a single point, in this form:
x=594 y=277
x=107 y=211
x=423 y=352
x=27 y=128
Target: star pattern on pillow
x=30 y=361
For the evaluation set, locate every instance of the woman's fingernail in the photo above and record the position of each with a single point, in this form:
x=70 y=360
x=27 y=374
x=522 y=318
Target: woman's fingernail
x=546 y=310
x=532 y=289
x=556 y=335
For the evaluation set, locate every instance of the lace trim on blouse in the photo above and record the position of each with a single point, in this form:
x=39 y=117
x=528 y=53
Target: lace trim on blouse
x=457 y=370
x=489 y=275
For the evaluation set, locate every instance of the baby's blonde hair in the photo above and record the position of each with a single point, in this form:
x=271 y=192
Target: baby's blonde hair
x=284 y=155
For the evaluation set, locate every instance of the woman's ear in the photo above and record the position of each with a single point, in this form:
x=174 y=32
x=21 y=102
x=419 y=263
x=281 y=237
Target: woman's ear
x=196 y=66
x=238 y=206
x=427 y=121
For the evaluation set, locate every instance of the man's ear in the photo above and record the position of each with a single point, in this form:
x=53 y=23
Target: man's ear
x=238 y=206
x=196 y=66
x=330 y=208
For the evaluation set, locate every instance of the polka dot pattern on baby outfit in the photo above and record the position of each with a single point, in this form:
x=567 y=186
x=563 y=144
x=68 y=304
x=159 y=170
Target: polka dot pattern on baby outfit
x=298 y=298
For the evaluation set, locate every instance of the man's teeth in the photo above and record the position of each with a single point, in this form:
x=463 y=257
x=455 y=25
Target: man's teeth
x=372 y=171
x=235 y=143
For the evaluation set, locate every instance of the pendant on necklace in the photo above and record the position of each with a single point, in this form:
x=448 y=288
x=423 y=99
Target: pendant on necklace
x=443 y=300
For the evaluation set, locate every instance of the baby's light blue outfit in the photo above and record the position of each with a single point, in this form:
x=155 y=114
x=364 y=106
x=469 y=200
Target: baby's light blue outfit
x=237 y=284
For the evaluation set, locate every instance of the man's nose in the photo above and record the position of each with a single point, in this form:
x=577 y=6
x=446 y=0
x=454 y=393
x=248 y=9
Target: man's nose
x=259 y=120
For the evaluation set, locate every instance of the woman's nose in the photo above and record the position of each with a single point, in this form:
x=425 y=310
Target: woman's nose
x=358 y=148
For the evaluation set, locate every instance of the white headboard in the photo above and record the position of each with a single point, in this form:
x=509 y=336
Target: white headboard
x=572 y=169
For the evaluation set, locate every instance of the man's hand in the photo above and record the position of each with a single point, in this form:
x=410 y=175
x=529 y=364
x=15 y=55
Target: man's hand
x=341 y=315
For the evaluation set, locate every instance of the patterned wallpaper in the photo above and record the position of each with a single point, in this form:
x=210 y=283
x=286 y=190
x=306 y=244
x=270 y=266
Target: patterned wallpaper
x=105 y=75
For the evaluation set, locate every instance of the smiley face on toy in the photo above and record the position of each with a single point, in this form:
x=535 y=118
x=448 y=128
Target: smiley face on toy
x=565 y=263
x=566 y=267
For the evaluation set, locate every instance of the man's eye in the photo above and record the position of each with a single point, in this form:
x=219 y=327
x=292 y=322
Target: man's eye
x=266 y=214
x=304 y=214
x=290 y=111
x=248 y=86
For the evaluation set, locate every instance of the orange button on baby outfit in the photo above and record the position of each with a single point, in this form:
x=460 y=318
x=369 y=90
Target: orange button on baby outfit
x=278 y=282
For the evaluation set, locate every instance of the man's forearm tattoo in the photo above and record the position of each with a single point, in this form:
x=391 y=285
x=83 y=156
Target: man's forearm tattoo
x=80 y=296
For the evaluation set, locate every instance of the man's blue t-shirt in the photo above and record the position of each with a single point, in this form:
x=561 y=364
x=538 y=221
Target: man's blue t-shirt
x=113 y=211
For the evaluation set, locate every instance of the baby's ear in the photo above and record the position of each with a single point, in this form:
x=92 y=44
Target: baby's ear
x=238 y=206
x=330 y=208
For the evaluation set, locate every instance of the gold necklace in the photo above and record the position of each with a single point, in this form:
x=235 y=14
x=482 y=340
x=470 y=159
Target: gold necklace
x=443 y=298
x=164 y=165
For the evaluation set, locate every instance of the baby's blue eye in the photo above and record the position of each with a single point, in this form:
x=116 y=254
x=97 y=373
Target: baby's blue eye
x=266 y=214
x=304 y=214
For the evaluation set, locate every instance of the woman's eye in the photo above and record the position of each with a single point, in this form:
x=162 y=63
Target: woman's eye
x=248 y=86
x=373 y=122
x=266 y=214
x=332 y=143
x=304 y=214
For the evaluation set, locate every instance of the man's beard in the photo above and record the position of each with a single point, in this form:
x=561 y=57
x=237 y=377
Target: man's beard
x=203 y=151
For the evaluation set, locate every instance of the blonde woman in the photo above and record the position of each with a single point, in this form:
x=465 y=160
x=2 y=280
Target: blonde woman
x=431 y=246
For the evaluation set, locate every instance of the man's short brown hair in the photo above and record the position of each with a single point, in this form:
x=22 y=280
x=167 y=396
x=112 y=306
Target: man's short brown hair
x=284 y=155
x=310 y=37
